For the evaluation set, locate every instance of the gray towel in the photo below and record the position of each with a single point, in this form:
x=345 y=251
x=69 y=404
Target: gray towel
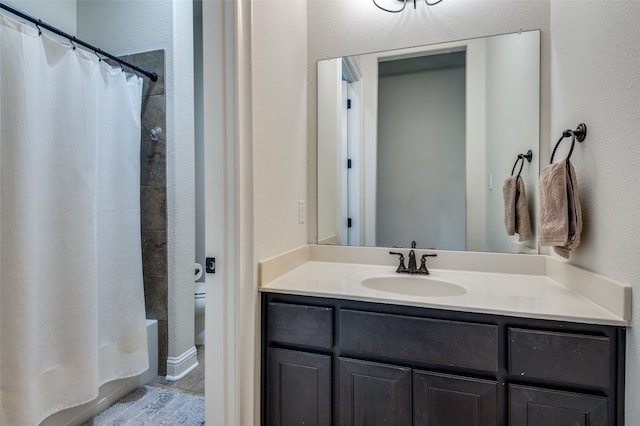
x=560 y=211
x=516 y=208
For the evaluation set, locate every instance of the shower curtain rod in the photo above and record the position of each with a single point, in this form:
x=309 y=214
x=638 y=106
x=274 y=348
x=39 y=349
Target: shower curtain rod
x=39 y=23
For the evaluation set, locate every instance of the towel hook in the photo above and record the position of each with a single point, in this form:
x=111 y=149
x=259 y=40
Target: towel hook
x=521 y=157
x=579 y=134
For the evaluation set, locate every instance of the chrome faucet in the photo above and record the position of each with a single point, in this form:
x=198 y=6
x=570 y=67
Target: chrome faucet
x=413 y=268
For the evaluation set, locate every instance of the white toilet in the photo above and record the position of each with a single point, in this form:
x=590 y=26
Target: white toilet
x=199 y=297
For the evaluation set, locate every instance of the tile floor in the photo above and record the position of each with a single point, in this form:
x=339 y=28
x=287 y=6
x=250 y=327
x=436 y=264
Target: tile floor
x=191 y=383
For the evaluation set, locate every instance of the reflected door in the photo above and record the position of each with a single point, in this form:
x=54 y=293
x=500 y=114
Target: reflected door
x=421 y=177
x=353 y=165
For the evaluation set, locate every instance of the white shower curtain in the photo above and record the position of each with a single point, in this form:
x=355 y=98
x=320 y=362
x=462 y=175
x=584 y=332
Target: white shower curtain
x=71 y=294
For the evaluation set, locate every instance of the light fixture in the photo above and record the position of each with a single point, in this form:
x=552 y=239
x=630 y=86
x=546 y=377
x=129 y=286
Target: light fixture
x=404 y=4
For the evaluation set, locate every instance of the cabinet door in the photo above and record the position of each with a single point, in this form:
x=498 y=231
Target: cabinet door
x=530 y=406
x=299 y=388
x=446 y=400
x=373 y=394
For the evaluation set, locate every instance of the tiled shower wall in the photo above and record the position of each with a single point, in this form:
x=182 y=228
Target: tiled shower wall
x=153 y=197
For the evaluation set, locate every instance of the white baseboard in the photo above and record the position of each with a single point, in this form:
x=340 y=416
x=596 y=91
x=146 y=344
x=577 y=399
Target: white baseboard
x=180 y=366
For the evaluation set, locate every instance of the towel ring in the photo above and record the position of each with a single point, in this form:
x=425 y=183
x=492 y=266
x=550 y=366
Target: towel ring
x=579 y=134
x=521 y=157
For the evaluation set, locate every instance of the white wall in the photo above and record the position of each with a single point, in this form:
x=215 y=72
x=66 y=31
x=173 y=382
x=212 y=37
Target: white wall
x=59 y=13
x=476 y=160
x=595 y=58
x=369 y=143
x=329 y=136
x=122 y=27
x=512 y=110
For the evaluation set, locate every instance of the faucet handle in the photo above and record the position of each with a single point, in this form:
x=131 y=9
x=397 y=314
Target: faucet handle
x=423 y=263
x=401 y=267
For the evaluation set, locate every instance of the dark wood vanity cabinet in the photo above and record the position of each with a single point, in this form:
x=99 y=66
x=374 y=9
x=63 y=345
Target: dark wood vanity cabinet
x=444 y=399
x=374 y=394
x=545 y=407
x=298 y=386
x=299 y=389
x=341 y=362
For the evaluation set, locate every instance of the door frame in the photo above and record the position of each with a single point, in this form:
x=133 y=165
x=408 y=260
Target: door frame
x=230 y=320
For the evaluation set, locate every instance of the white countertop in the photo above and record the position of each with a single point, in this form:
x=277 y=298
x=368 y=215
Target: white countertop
x=582 y=296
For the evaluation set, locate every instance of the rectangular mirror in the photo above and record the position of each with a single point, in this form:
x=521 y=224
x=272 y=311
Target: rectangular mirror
x=416 y=143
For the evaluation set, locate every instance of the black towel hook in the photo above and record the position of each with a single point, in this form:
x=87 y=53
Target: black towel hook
x=521 y=157
x=579 y=134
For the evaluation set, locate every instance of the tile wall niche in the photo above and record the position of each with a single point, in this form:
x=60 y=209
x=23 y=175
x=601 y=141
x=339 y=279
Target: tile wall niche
x=153 y=197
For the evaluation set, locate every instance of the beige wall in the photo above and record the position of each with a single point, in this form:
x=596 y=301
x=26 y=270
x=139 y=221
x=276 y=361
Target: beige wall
x=279 y=98
x=595 y=58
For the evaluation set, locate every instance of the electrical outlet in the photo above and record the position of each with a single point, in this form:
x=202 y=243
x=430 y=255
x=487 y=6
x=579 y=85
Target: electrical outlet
x=301 y=212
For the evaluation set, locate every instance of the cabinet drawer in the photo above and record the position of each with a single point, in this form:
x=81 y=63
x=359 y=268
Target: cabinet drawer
x=300 y=325
x=566 y=357
x=450 y=343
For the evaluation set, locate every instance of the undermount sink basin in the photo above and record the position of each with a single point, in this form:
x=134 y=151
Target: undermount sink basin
x=414 y=285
